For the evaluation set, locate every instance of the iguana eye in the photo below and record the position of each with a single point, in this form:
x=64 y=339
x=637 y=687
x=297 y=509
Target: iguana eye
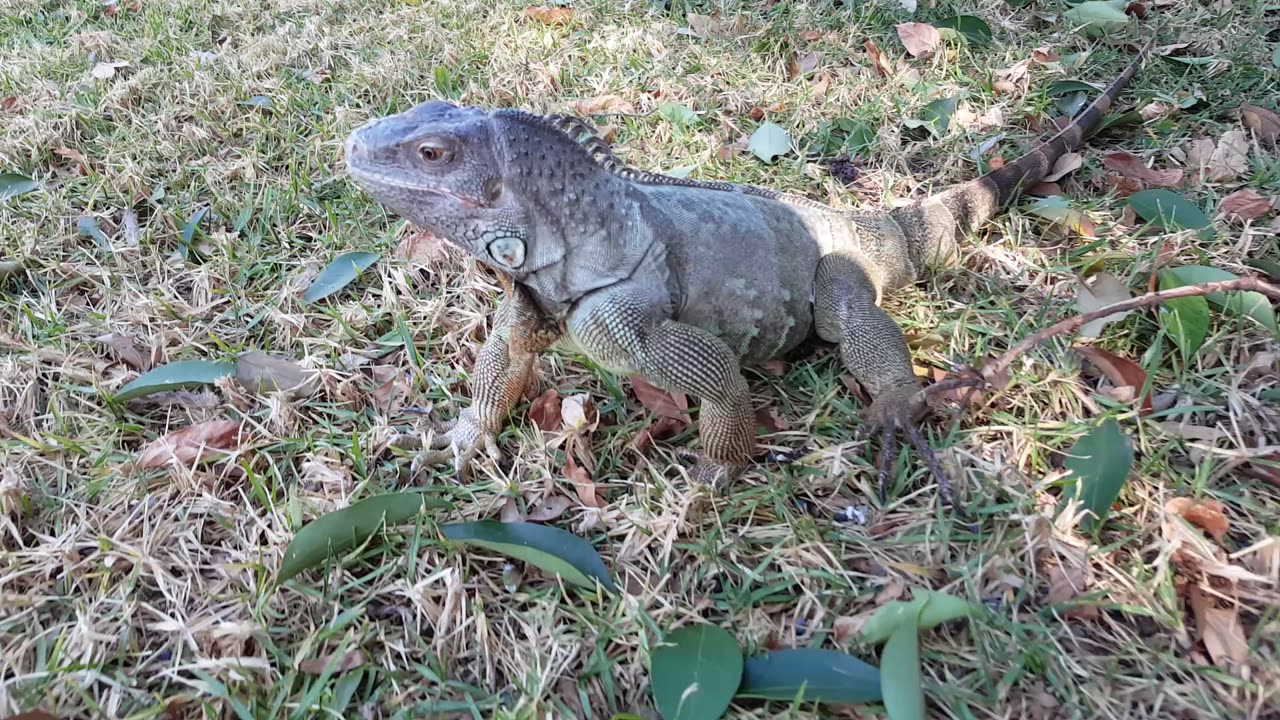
x=434 y=154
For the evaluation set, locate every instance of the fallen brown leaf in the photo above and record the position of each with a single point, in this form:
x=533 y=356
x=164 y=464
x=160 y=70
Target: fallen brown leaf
x=802 y=65
x=660 y=402
x=1204 y=513
x=1065 y=164
x=578 y=413
x=549 y=509
x=75 y=156
x=1219 y=629
x=1265 y=468
x=422 y=247
x=661 y=429
x=811 y=35
x=261 y=373
x=548 y=16
x=1131 y=167
x=884 y=68
x=581 y=480
x=957 y=395
x=1045 y=189
x=390 y=387
x=10 y=105
x=545 y=411
x=1044 y=55
x=768 y=418
x=1263 y=122
x=348 y=662
x=1122 y=372
x=1243 y=205
x=1230 y=158
x=511 y=512
x=919 y=38
x=127 y=349
x=603 y=104
x=193 y=444
x=995 y=162
x=1193 y=553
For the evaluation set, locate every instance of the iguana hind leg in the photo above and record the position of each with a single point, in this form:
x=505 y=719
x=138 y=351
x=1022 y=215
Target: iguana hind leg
x=873 y=349
x=500 y=375
x=624 y=328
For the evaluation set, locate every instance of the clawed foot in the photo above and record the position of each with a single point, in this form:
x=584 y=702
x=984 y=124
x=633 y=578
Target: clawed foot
x=712 y=473
x=901 y=409
x=459 y=444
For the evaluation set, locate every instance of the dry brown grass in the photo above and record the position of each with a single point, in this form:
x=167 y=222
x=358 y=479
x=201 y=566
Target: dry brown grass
x=129 y=593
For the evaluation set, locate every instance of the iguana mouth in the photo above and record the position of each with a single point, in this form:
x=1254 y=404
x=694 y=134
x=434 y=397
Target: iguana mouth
x=396 y=181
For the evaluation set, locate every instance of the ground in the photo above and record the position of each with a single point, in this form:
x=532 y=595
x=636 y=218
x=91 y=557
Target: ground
x=128 y=591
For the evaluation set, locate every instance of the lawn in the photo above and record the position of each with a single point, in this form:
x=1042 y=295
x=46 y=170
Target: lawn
x=187 y=188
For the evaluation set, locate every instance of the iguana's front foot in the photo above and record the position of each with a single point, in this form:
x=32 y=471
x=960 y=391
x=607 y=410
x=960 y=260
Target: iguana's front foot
x=901 y=408
x=459 y=444
x=715 y=474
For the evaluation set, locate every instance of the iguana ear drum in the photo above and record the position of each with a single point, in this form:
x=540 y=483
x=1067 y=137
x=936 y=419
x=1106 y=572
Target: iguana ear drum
x=509 y=251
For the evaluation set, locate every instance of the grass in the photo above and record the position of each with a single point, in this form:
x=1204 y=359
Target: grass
x=147 y=593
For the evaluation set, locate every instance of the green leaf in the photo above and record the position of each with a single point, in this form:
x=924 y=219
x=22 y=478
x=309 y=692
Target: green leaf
x=1132 y=117
x=769 y=141
x=682 y=172
x=677 y=114
x=1240 y=304
x=934 y=117
x=1071 y=103
x=1270 y=267
x=1185 y=319
x=189 y=227
x=339 y=273
x=13 y=185
x=1097 y=17
x=974 y=29
x=546 y=547
x=810 y=675
x=929 y=608
x=334 y=533
x=176 y=376
x=1066 y=87
x=1168 y=210
x=1099 y=464
x=900 y=671
x=88 y=227
x=1057 y=210
x=695 y=672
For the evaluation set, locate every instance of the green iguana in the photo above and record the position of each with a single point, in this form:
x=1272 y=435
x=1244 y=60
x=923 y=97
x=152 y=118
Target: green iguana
x=679 y=281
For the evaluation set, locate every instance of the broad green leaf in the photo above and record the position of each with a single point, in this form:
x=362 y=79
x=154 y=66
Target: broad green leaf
x=13 y=185
x=339 y=273
x=934 y=117
x=677 y=114
x=1270 y=267
x=1099 y=464
x=1186 y=319
x=929 y=608
x=1066 y=87
x=261 y=102
x=88 y=226
x=192 y=223
x=1071 y=103
x=1249 y=304
x=1132 y=117
x=176 y=376
x=769 y=141
x=334 y=533
x=695 y=672
x=1097 y=17
x=974 y=29
x=1057 y=210
x=810 y=675
x=1195 y=61
x=1170 y=211
x=546 y=547
x=900 y=671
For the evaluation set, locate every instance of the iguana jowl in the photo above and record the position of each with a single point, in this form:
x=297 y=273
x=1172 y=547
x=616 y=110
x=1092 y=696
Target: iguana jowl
x=677 y=280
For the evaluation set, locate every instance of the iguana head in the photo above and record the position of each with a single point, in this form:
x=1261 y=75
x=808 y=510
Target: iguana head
x=439 y=166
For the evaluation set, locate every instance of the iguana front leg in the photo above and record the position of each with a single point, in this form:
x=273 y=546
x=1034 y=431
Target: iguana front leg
x=625 y=329
x=500 y=375
x=874 y=350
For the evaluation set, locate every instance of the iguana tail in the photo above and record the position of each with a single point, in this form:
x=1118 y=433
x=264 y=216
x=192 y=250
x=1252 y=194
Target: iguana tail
x=933 y=225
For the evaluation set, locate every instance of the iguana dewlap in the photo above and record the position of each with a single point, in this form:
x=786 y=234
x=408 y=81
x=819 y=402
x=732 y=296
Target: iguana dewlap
x=677 y=280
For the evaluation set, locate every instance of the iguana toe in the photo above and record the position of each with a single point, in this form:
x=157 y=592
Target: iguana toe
x=901 y=409
x=458 y=445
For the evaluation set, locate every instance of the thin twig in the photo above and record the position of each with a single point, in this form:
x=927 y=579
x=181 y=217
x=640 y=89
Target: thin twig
x=997 y=368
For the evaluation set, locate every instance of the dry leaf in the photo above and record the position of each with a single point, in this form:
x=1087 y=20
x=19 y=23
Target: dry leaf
x=995 y=163
x=1122 y=372
x=578 y=413
x=847 y=627
x=821 y=84
x=884 y=68
x=1044 y=55
x=768 y=418
x=511 y=512
x=1131 y=167
x=75 y=156
x=10 y=105
x=422 y=247
x=891 y=592
x=127 y=350
x=958 y=395
x=1244 y=205
x=390 y=387
x=1153 y=110
x=193 y=444
x=1107 y=289
x=549 y=16
x=1265 y=468
x=581 y=480
x=604 y=104
x=811 y=35
x=317 y=665
x=1219 y=629
x=107 y=70
x=549 y=509
x=660 y=402
x=661 y=429
x=776 y=368
x=919 y=38
x=1066 y=163
x=802 y=65
x=1230 y=158
x=261 y=373
x=1264 y=123
x=1192 y=552
x=545 y=411
x=1045 y=189
x=1206 y=514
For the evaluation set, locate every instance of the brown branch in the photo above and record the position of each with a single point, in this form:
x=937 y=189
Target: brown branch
x=996 y=369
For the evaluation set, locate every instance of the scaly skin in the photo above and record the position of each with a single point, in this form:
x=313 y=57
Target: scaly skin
x=678 y=280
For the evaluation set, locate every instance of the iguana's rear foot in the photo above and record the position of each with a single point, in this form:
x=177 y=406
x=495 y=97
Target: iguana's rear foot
x=901 y=408
x=458 y=445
